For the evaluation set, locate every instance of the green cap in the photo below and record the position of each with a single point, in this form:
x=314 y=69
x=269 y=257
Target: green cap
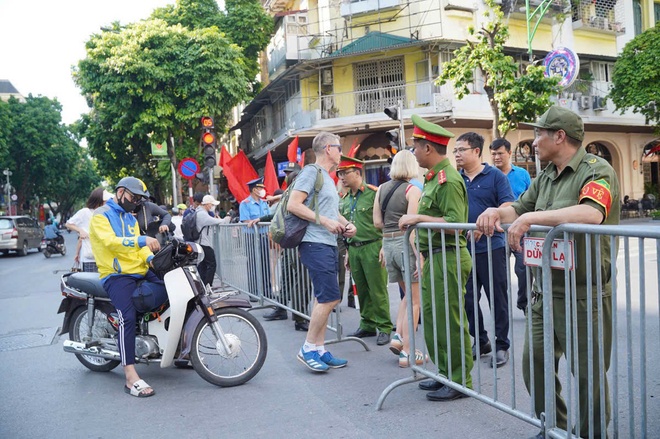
x=423 y=129
x=560 y=118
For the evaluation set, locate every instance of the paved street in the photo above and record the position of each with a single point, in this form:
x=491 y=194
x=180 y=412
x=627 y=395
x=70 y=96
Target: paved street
x=48 y=393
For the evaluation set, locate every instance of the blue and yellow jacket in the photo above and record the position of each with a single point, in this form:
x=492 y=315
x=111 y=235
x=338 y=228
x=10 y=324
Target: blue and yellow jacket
x=116 y=242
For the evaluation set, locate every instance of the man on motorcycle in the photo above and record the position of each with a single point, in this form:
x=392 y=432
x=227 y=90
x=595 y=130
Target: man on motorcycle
x=52 y=232
x=123 y=258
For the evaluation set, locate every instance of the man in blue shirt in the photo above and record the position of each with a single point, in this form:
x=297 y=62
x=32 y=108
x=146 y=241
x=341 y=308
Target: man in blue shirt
x=52 y=232
x=252 y=210
x=500 y=151
x=486 y=187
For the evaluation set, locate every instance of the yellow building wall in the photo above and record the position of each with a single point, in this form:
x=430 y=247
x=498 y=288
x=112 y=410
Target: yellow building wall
x=518 y=35
x=344 y=84
x=594 y=43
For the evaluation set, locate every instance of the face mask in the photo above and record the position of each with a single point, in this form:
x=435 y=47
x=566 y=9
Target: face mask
x=128 y=206
x=261 y=193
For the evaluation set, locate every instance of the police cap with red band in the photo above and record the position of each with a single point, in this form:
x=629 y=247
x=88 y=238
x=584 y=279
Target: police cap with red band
x=349 y=162
x=429 y=131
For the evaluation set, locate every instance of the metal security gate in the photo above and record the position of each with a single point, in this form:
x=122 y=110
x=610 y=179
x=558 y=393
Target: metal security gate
x=379 y=84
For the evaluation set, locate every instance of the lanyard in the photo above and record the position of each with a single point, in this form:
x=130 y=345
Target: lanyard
x=354 y=205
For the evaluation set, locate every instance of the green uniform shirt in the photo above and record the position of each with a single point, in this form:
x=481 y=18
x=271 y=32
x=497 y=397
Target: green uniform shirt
x=587 y=179
x=444 y=196
x=359 y=209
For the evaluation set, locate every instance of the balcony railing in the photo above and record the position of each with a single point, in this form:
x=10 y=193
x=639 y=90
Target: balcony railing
x=604 y=15
x=423 y=94
x=357 y=7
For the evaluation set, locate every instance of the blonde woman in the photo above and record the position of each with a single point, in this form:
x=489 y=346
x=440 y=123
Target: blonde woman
x=394 y=199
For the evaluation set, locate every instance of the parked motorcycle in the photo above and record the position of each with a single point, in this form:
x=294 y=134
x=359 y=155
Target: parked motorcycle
x=50 y=247
x=226 y=345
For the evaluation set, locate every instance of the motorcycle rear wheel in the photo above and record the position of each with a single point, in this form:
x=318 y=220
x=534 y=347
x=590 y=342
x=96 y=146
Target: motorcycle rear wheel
x=102 y=330
x=248 y=348
x=46 y=253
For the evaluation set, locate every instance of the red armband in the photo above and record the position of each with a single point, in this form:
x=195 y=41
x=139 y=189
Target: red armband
x=598 y=191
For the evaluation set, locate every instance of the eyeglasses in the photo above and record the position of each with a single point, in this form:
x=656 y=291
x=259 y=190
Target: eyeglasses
x=460 y=150
x=335 y=146
x=133 y=198
x=344 y=172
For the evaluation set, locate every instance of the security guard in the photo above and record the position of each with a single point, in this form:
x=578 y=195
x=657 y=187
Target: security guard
x=370 y=277
x=444 y=200
x=251 y=210
x=585 y=189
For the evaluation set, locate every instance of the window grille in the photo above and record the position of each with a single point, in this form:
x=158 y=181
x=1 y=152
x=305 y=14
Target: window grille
x=599 y=14
x=379 y=84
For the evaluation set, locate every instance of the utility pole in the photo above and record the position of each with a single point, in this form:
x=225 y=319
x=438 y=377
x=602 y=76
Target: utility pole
x=8 y=173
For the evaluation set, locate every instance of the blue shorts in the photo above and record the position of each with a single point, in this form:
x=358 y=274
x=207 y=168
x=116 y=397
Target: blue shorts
x=322 y=262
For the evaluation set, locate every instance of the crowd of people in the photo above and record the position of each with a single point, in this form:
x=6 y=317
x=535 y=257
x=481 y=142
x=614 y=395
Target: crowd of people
x=118 y=239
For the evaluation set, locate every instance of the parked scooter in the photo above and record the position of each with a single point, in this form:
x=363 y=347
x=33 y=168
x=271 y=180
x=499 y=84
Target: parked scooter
x=53 y=246
x=226 y=345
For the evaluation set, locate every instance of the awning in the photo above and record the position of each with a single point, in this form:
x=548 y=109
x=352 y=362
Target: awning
x=373 y=41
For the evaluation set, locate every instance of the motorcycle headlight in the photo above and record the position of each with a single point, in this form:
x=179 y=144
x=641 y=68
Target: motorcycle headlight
x=196 y=252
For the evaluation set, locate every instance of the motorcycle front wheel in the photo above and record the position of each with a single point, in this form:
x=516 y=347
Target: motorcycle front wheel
x=46 y=253
x=247 y=348
x=102 y=331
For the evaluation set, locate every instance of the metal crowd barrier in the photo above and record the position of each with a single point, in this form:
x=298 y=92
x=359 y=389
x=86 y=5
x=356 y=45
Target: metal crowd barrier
x=635 y=311
x=248 y=261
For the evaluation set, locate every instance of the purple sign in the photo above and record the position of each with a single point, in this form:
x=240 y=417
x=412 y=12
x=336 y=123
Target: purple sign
x=564 y=63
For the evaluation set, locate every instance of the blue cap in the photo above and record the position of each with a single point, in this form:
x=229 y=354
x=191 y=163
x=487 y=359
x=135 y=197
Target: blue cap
x=257 y=182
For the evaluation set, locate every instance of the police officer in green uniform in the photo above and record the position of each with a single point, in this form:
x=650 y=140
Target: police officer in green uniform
x=370 y=276
x=575 y=187
x=444 y=200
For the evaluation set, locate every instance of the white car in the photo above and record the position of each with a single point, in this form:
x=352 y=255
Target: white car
x=19 y=233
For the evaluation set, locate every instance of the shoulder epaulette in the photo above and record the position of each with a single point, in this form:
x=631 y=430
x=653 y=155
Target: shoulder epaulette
x=372 y=187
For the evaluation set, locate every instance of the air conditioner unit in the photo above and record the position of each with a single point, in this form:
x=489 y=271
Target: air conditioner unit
x=441 y=104
x=599 y=103
x=585 y=102
x=326 y=77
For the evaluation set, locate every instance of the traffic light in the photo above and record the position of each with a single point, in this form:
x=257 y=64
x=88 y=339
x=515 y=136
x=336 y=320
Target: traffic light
x=392 y=112
x=209 y=142
x=393 y=137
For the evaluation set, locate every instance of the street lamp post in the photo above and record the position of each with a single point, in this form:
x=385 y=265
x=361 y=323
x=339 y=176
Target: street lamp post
x=8 y=173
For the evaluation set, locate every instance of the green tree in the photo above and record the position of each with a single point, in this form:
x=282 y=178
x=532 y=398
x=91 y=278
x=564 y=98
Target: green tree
x=152 y=81
x=636 y=78
x=244 y=22
x=46 y=161
x=512 y=98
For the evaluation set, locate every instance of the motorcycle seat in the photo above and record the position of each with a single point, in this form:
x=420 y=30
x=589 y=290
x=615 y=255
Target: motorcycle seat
x=88 y=283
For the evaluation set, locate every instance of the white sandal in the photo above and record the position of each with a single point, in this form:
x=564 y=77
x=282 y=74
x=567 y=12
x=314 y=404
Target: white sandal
x=138 y=388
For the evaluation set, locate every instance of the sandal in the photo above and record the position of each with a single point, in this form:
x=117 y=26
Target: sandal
x=138 y=388
x=396 y=344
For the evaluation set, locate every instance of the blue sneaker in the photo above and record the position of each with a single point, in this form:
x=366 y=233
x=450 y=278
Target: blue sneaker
x=312 y=359
x=333 y=362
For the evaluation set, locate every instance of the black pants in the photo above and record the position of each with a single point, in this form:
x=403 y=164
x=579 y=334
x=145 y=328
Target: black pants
x=207 y=266
x=499 y=309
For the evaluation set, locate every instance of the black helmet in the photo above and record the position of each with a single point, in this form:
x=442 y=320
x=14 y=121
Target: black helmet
x=134 y=186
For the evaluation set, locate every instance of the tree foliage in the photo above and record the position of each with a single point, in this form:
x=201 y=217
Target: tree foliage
x=151 y=81
x=512 y=98
x=636 y=78
x=44 y=156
